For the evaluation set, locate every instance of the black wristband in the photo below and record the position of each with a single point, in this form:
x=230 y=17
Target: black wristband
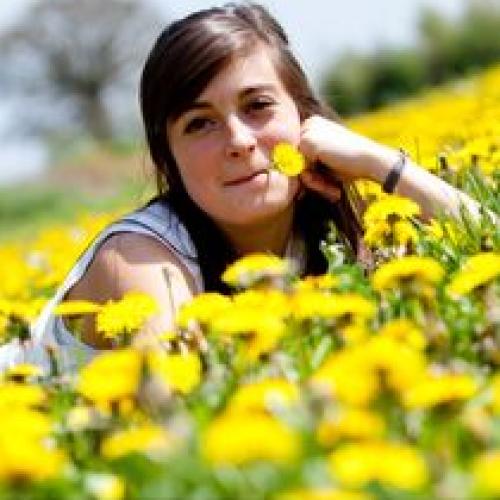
x=394 y=174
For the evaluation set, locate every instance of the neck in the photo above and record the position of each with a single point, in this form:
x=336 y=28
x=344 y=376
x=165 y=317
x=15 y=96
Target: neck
x=264 y=236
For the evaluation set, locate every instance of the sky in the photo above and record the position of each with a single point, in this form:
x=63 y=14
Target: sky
x=319 y=31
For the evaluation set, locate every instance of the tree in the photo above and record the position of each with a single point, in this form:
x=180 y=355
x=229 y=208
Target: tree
x=74 y=65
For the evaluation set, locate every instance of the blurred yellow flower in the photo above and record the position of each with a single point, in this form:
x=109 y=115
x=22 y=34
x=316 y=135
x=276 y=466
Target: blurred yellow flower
x=239 y=438
x=391 y=464
x=23 y=371
x=25 y=450
x=111 y=377
x=392 y=206
x=410 y=267
x=148 y=439
x=13 y=394
x=404 y=331
x=308 y=304
x=202 y=308
x=437 y=390
x=271 y=300
x=270 y=394
x=343 y=377
x=495 y=393
x=476 y=271
x=288 y=159
x=254 y=267
x=351 y=424
x=485 y=469
x=76 y=307
x=323 y=282
x=180 y=372
x=322 y=494
x=127 y=315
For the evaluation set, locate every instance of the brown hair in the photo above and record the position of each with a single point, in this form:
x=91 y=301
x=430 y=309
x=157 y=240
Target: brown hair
x=185 y=58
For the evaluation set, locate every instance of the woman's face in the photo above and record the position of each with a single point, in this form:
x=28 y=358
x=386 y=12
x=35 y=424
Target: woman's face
x=222 y=143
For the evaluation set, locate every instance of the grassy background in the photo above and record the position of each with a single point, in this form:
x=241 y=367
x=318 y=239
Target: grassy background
x=93 y=181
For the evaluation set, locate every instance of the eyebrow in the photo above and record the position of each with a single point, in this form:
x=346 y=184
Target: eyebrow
x=196 y=105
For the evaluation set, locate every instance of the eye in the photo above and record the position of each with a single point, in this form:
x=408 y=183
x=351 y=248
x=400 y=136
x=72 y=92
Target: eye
x=198 y=124
x=259 y=104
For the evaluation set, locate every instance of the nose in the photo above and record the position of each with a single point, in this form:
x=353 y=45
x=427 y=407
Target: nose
x=241 y=138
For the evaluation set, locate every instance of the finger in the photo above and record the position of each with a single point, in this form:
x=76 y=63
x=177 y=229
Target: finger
x=320 y=184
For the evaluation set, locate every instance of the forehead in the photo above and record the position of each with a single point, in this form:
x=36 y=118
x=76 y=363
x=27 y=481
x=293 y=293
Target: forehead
x=256 y=69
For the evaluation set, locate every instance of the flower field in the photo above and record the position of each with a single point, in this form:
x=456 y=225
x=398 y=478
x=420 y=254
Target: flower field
x=378 y=384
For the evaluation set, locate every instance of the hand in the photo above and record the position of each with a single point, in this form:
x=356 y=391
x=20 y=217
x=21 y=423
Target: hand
x=322 y=180
x=349 y=155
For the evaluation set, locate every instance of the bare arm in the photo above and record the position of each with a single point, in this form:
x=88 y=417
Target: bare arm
x=133 y=262
x=352 y=156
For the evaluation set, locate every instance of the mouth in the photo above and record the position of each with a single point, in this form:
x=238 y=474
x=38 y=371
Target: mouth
x=244 y=179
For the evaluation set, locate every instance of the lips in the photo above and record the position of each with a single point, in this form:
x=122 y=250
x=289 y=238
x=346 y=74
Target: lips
x=246 y=178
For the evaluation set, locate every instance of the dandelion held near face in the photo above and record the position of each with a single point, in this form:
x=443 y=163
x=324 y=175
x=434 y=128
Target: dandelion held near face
x=288 y=159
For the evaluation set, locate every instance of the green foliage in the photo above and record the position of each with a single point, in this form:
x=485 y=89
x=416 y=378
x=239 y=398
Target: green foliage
x=445 y=50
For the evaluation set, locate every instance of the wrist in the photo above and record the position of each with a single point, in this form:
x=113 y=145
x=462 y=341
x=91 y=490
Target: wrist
x=380 y=161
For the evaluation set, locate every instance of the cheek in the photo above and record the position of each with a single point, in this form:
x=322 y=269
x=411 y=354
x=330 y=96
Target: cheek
x=285 y=128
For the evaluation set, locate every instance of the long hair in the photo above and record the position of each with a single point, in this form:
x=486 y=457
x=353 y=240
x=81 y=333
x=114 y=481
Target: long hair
x=188 y=54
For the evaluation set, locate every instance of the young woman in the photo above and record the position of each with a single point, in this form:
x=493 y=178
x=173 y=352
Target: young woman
x=219 y=90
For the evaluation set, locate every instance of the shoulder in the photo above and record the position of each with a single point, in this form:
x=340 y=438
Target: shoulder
x=127 y=261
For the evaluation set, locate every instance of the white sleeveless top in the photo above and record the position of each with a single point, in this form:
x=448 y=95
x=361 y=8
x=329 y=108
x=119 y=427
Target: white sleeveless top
x=157 y=220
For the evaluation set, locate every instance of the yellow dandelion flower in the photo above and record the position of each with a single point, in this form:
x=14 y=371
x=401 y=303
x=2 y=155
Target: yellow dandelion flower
x=435 y=229
x=111 y=376
x=24 y=446
x=181 y=372
x=125 y=316
x=352 y=424
x=255 y=267
x=355 y=333
x=391 y=464
x=410 y=267
x=262 y=331
x=377 y=234
x=477 y=271
x=437 y=390
x=202 y=309
x=307 y=304
x=404 y=233
x=390 y=206
x=288 y=159
x=263 y=341
x=495 y=388
x=23 y=371
x=267 y=394
x=26 y=310
x=322 y=282
x=76 y=307
x=343 y=376
x=400 y=366
x=406 y=332
x=240 y=438
x=272 y=300
x=485 y=469
x=369 y=190
x=4 y=322
x=13 y=394
x=243 y=320
x=322 y=494
x=24 y=460
x=149 y=439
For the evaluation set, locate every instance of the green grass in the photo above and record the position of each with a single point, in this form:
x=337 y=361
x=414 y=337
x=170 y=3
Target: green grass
x=25 y=209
